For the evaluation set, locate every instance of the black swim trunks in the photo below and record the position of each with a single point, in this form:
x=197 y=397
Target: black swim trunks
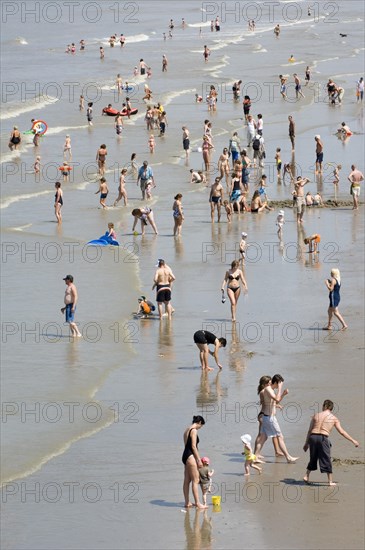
x=163 y=293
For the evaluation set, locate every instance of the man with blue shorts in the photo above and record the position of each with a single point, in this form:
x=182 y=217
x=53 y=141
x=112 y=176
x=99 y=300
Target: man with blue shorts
x=70 y=302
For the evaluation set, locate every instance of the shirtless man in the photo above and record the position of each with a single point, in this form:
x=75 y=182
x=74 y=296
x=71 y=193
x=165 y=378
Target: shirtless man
x=299 y=197
x=270 y=426
x=318 y=441
x=298 y=86
x=216 y=198
x=292 y=132
x=122 y=193
x=162 y=281
x=355 y=177
x=103 y=190
x=70 y=302
x=319 y=154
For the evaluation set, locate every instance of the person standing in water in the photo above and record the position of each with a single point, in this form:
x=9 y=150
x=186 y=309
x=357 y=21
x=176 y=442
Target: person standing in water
x=204 y=338
x=334 y=284
x=58 y=202
x=192 y=462
x=186 y=141
x=122 y=193
x=319 y=154
x=15 y=139
x=292 y=132
x=70 y=301
x=318 y=441
x=355 y=178
x=162 y=281
x=233 y=279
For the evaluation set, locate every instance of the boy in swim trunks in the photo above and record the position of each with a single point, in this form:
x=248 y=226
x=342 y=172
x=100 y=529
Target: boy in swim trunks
x=103 y=190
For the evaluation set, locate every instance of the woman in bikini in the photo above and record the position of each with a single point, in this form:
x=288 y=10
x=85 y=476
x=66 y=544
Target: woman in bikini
x=206 y=148
x=192 y=462
x=232 y=279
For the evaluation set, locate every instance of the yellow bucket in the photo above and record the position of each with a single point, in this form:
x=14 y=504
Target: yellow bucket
x=216 y=500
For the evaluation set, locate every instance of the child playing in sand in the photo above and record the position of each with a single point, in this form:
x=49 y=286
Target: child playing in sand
x=37 y=165
x=250 y=458
x=227 y=207
x=205 y=478
x=152 y=143
x=313 y=242
x=280 y=222
x=148 y=189
x=145 y=307
x=278 y=162
x=111 y=232
x=336 y=174
x=288 y=170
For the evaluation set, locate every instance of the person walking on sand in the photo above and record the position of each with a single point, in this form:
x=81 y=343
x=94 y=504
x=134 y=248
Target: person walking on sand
x=233 y=279
x=162 y=281
x=192 y=462
x=318 y=441
x=319 y=154
x=334 y=284
x=70 y=301
x=204 y=338
x=355 y=178
x=122 y=193
x=270 y=426
x=292 y=132
x=299 y=197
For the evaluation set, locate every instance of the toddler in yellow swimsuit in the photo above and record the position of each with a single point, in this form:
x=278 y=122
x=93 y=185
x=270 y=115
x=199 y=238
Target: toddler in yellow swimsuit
x=250 y=458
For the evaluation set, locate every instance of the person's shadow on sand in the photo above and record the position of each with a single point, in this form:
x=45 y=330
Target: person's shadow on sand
x=166 y=504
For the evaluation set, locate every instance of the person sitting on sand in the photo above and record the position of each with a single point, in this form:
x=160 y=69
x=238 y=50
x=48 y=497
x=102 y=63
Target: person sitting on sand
x=256 y=203
x=317 y=200
x=309 y=199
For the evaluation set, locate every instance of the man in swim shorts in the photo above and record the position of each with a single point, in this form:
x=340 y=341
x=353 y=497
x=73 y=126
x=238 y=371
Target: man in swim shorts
x=162 y=281
x=299 y=197
x=70 y=302
x=319 y=154
x=216 y=198
x=355 y=177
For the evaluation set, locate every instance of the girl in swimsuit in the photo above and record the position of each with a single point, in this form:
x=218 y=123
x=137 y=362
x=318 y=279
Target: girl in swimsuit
x=192 y=462
x=177 y=212
x=334 y=285
x=58 y=202
x=232 y=279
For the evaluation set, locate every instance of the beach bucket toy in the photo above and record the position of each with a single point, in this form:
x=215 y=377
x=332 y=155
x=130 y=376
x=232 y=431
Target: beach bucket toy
x=216 y=500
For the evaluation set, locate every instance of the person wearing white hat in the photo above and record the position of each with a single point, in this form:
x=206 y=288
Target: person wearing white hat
x=250 y=458
x=243 y=246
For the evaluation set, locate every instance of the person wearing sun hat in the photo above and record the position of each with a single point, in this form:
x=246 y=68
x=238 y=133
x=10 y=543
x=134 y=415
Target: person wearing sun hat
x=243 y=246
x=70 y=301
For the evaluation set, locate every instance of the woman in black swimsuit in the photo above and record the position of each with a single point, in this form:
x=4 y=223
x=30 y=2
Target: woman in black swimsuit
x=232 y=279
x=192 y=462
x=202 y=339
x=58 y=201
x=15 y=139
